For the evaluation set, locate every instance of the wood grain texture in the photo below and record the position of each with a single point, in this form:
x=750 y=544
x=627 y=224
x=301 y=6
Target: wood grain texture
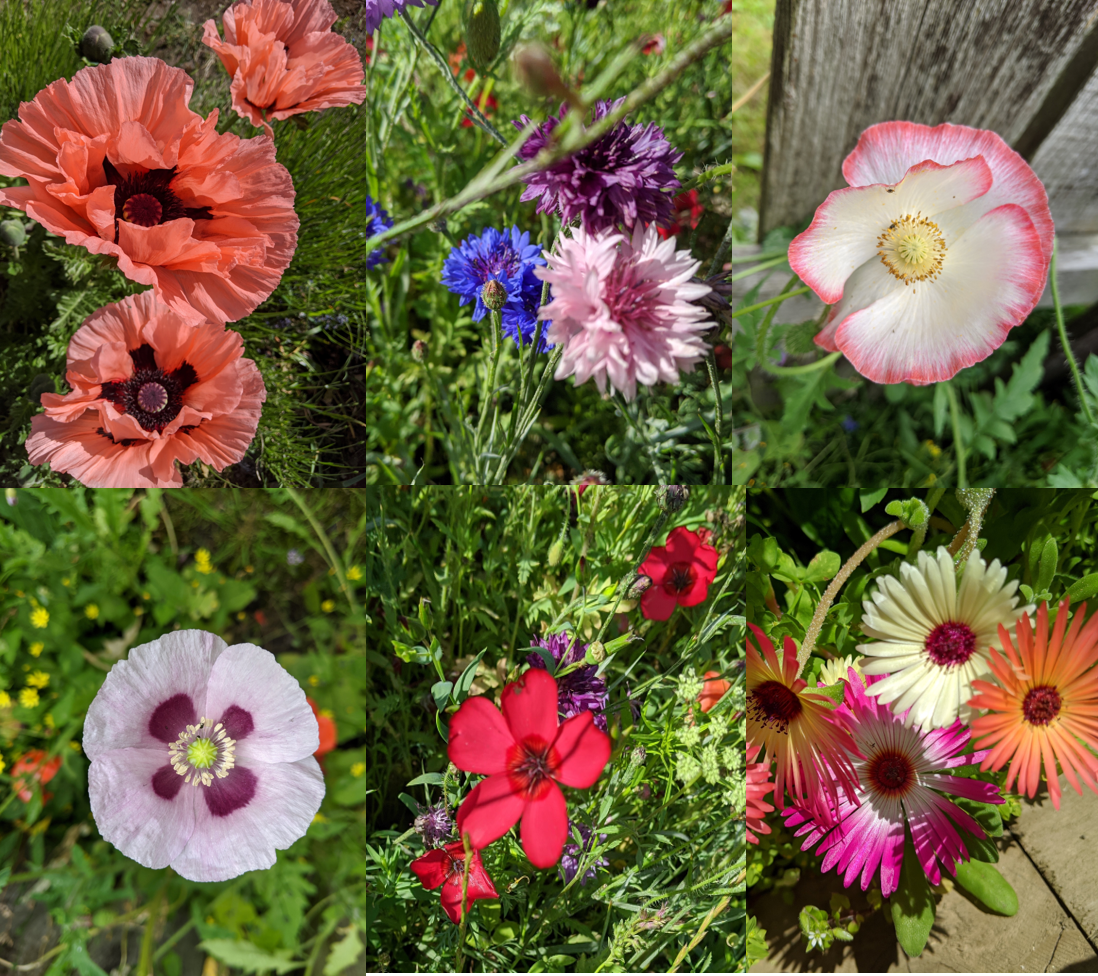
x=1067 y=163
x=841 y=65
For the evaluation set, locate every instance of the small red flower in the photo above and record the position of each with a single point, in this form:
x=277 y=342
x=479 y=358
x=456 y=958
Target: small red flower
x=681 y=572
x=713 y=691
x=328 y=738
x=445 y=866
x=33 y=763
x=656 y=45
x=724 y=356
x=687 y=211
x=486 y=103
x=524 y=752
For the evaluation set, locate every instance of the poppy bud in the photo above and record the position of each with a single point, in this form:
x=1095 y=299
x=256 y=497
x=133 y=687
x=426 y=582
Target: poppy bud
x=13 y=233
x=493 y=294
x=535 y=71
x=595 y=653
x=97 y=44
x=638 y=586
x=638 y=756
x=556 y=550
x=671 y=498
x=419 y=350
x=482 y=33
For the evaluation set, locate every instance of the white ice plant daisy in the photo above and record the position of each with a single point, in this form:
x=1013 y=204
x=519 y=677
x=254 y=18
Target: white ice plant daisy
x=932 y=632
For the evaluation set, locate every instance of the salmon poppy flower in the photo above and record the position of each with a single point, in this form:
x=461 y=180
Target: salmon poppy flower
x=151 y=385
x=680 y=570
x=327 y=729
x=758 y=785
x=939 y=246
x=117 y=163
x=285 y=60
x=1043 y=709
x=524 y=752
x=713 y=690
x=33 y=767
x=444 y=867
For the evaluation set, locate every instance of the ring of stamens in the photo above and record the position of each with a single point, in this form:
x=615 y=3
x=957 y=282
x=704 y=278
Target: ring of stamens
x=202 y=752
x=912 y=249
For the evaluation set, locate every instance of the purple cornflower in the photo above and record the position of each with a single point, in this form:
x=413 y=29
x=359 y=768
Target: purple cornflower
x=578 y=691
x=618 y=179
x=573 y=853
x=375 y=11
x=434 y=824
x=375 y=220
x=294 y=558
x=508 y=258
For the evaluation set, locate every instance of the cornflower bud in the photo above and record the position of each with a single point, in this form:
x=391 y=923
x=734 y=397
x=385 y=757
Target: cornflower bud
x=493 y=294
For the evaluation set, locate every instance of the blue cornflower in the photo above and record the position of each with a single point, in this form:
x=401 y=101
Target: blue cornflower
x=377 y=220
x=510 y=259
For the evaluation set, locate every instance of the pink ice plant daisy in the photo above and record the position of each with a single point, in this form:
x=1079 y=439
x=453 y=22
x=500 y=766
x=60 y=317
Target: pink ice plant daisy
x=202 y=757
x=902 y=774
x=622 y=308
x=937 y=249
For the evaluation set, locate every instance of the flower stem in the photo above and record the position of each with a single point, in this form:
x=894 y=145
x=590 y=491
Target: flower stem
x=764 y=329
x=718 y=419
x=464 y=903
x=489 y=390
x=776 y=300
x=144 y=961
x=725 y=169
x=1063 y=336
x=832 y=591
x=773 y=262
x=958 y=444
x=823 y=363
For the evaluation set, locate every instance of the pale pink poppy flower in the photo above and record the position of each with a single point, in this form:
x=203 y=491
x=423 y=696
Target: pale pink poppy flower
x=117 y=163
x=622 y=308
x=937 y=249
x=285 y=60
x=202 y=757
x=150 y=386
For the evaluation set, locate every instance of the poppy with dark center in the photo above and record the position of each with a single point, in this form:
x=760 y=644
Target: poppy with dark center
x=444 y=868
x=33 y=767
x=524 y=752
x=681 y=571
x=146 y=197
x=150 y=386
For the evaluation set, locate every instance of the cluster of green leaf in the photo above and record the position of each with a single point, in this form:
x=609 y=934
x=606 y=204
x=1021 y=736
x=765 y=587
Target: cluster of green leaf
x=390 y=606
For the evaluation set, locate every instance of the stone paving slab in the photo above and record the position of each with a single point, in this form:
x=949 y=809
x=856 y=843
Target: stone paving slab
x=1042 y=937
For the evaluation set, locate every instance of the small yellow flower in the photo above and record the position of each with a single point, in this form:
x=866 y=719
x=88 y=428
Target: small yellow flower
x=144 y=596
x=202 y=562
x=38 y=679
x=49 y=720
x=933 y=449
x=328 y=606
x=5 y=699
x=241 y=615
x=91 y=611
x=3 y=766
x=194 y=583
x=74 y=745
x=137 y=611
x=354 y=573
x=327 y=713
x=40 y=618
x=249 y=569
x=358 y=769
x=18 y=592
x=319 y=818
x=28 y=697
x=36 y=648
x=66 y=582
x=314 y=680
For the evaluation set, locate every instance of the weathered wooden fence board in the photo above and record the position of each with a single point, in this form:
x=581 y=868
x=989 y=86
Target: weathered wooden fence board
x=841 y=65
x=1067 y=163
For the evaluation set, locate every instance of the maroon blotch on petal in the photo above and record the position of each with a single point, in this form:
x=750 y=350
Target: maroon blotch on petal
x=227 y=795
x=166 y=783
x=237 y=721
x=171 y=717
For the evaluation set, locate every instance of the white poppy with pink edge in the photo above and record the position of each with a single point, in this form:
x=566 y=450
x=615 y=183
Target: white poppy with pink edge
x=937 y=249
x=202 y=757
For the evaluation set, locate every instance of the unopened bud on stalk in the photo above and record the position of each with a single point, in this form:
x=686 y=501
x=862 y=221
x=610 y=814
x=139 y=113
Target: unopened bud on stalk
x=535 y=71
x=493 y=294
x=482 y=33
x=556 y=550
x=671 y=498
x=637 y=756
x=595 y=653
x=12 y=233
x=419 y=351
x=638 y=586
x=97 y=44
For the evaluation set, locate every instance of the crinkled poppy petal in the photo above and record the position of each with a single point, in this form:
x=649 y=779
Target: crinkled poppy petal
x=178 y=663
x=283 y=728
x=584 y=751
x=224 y=439
x=530 y=705
x=490 y=810
x=545 y=828
x=231 y=837
x=479 y=737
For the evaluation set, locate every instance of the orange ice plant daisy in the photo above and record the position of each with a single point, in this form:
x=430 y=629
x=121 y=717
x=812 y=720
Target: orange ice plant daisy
x=797 y=728
x=1044 y=709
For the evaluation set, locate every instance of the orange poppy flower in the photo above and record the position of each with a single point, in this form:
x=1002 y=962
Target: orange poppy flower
x=328 y=738
x=32 y=766
x=713 y=691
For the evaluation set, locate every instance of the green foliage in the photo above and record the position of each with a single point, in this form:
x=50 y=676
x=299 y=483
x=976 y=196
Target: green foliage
x=984 y=882
x=912 y=905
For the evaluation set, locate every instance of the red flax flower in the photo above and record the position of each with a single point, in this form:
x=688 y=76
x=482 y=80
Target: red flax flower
x=1044 y=708
x=117 y=163
x=681 y=572
x=285 y=60
x=445 y=867
x=524 y=752
x=32 y=766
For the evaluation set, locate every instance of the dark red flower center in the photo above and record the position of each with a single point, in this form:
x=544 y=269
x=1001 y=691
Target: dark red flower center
x=775 y=705
x=151 y=396
x=950 y=643
x=890 y=773
x=1041 y=705
x=532 y=763
x=679 y=578
x=146 y=198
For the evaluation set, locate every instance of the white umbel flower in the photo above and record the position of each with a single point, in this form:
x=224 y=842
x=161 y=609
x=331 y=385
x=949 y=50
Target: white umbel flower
x=932 y=634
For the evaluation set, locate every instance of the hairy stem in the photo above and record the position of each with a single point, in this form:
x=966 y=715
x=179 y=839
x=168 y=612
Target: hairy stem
x=958 y=444
x=1060 y=328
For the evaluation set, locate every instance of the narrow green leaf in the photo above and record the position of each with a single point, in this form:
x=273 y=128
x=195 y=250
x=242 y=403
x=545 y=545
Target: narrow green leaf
x=912 y=905
x=1050 y=555
x=1083 y=589
x=984 y=882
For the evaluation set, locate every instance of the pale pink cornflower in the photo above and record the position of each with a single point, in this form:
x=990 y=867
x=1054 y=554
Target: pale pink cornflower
x=202 y=757
x=622 y=309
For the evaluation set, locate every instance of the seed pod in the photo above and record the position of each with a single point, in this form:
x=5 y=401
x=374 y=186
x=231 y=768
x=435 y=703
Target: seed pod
x=556 y=550
x=12 y=233
x=97 y=44
x=482 y=32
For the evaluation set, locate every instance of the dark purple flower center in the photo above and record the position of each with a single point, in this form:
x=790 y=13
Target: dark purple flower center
x=950 y=643
x=532 y=764
x=890 y=773
x=774 y=705
x=679 y=578
x=1041 y=705
x=151 y=396
x=146 y=198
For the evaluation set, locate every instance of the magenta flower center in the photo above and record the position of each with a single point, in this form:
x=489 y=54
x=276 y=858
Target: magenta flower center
x=145 y=198
x=680 y=578
x=532 y=763
x=151 y=396
x=890 y=773
x=774 y=705
x=951 y=643
x=1041 y=705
